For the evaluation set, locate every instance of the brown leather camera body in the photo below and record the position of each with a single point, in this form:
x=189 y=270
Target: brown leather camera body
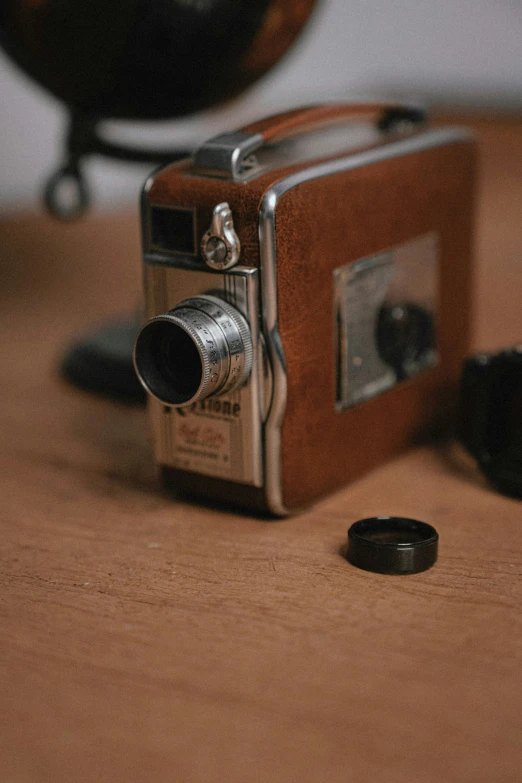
x=299 y=223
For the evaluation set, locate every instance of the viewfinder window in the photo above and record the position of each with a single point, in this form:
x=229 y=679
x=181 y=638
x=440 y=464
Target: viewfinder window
x=173 y=230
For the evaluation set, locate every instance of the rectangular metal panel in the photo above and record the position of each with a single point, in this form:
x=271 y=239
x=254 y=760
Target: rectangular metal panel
x=219 y=436
x=385 y=319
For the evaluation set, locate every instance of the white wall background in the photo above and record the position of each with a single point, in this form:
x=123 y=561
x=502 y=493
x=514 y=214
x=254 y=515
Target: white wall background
x=460 y=51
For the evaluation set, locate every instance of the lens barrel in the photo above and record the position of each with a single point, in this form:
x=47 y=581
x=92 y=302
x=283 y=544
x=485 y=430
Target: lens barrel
x=200 y=348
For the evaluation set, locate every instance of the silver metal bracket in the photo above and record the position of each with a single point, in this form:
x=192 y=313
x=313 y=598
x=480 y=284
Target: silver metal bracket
x=220 y=246
x=228 y=156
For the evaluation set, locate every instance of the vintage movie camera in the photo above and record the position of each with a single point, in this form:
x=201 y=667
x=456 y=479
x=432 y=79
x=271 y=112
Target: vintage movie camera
x=307 y=287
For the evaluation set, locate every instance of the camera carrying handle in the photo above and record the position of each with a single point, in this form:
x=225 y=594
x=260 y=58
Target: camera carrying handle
x=229 y=155
x=302 y=120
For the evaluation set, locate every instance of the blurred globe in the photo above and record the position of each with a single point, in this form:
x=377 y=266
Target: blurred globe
x=148 y=59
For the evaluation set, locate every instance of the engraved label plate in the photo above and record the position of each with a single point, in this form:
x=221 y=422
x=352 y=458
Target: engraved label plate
x=385 y=319
x=207 y=438
x=217 y=436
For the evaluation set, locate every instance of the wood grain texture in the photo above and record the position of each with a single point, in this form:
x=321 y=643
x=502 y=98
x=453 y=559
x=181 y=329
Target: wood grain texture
x=145 y=639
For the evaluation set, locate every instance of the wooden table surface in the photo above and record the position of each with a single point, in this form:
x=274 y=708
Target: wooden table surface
x=144 y=639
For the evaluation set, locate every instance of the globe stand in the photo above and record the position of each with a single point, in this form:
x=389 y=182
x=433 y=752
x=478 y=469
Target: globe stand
x=66 y=194
x=101 y=360
x=137 y=61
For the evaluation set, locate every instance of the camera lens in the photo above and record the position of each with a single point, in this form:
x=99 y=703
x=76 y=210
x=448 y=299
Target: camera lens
x=405 y=333
x=177 y=350
x=169 y=362
x=200 y=348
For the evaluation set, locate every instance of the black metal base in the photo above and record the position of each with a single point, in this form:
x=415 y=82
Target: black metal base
x=101 y=362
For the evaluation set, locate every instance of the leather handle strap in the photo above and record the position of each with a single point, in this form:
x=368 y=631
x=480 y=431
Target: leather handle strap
x=227 y=155
x=300 y=120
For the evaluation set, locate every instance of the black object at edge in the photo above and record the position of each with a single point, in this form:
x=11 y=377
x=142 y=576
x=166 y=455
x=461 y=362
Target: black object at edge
x=488 y=388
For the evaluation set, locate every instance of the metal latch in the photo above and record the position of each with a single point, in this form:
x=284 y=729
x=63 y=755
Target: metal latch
x=220 y=246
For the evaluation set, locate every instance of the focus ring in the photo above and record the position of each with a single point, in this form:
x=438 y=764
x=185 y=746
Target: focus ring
x=237 y=334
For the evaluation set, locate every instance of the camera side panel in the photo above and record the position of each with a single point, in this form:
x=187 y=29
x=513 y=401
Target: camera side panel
x=327 y=224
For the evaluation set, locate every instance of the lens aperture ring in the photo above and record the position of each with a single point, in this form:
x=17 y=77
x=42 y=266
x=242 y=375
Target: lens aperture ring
x=237 y=334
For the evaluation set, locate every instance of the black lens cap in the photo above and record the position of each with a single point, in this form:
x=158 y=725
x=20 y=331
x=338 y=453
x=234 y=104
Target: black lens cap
x=392 y=545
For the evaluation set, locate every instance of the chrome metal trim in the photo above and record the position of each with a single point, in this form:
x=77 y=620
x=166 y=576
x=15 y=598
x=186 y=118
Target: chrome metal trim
x=268 y=264
x=270 y=329
x=224 y=156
